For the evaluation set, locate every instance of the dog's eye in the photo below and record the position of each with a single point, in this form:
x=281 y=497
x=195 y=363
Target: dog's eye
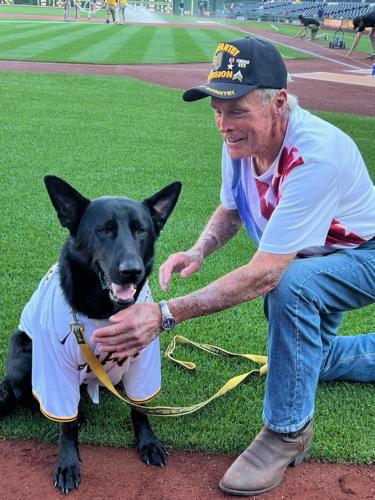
x=107 y=229
x=139 y=230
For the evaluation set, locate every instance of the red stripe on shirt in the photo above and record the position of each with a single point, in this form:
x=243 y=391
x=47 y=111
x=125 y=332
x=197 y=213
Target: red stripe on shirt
x=266 y=208
x=289 y=159
x=338 y=234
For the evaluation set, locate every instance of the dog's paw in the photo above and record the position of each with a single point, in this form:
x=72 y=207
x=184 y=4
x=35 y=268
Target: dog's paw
x=67 y=477
x=153 y=452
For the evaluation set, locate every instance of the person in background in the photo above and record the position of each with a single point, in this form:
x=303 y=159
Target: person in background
x=121 y=8
x=360 y=23
x=66 y=5
x=182 y=7
x=201 y=8
x=320 y=13
x=302 y=191
x=311 y=24
x=92 y=10
x=111 y=11
x=77 y=10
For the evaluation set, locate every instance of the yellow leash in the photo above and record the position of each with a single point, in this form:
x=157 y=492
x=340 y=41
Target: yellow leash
x=78 y=330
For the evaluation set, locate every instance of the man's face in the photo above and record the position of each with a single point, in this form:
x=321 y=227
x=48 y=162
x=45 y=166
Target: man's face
x=247 y=125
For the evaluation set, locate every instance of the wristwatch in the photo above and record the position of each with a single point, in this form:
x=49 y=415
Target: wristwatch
x=167 y=320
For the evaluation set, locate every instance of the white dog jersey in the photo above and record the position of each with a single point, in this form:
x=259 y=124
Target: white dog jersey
x=59 y=367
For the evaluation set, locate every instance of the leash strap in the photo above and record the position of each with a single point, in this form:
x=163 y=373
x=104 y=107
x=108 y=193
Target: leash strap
x=78 y=329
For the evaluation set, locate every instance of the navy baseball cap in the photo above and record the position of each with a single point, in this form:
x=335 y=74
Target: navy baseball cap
x=239 y=67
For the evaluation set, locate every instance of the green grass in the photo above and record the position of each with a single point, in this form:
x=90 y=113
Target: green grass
x=113 y=135
x=112 y=44
x=99 y=43
x=284 y=28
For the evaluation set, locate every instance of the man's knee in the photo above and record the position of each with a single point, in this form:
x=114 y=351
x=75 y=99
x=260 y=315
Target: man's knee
x=288 y=286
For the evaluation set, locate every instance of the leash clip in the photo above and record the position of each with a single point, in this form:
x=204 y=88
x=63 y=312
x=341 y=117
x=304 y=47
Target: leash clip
x=78 y=329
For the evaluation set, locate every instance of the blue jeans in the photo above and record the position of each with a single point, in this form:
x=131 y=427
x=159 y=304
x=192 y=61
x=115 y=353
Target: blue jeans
x=304 y=313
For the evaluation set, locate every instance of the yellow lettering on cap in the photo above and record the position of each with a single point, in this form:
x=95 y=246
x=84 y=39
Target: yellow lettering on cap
x=220 y=92
x=220 y=74
x=227 y=47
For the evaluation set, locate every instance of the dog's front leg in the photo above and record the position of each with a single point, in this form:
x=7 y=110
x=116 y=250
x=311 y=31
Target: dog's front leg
x=67 y=475
x=151 y=450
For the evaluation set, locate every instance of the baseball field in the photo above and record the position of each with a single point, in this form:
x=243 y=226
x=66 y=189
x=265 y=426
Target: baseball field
x=100 y=106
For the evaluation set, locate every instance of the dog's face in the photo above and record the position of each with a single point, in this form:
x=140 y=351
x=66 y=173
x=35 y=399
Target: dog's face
x=114 y=236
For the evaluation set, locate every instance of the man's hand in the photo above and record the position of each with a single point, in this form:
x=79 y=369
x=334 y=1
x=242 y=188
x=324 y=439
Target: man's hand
x=185 y=263
x=132 y=330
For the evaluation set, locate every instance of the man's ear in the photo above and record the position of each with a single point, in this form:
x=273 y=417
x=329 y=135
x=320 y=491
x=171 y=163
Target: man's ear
x=280 y=102
x=162 y=203
x=69 y=203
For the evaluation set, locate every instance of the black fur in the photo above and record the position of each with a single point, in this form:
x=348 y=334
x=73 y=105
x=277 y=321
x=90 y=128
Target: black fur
x=111 y=240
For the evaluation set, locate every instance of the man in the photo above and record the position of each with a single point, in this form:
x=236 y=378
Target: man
x=121 y=8
x=301 y=189
x=201 y=8
x=92 y=10
x=309 y=23
x=360 y=23
x=320 y=13
x=77 y=10
x=111 y=11
x=66 y=5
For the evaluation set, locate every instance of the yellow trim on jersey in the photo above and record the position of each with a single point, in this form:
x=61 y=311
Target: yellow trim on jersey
x=51 y=416
x=140 y=401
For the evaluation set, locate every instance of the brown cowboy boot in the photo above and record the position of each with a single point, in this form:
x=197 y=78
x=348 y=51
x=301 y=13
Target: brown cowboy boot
x=261 y=466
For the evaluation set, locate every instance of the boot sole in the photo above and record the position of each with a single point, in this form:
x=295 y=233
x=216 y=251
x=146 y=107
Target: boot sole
x=248 y=493
x=296 y=461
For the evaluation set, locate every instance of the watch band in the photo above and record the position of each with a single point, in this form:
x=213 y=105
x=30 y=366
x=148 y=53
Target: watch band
x=167 y=320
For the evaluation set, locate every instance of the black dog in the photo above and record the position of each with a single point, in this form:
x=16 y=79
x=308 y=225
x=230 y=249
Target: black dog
x=103 y=268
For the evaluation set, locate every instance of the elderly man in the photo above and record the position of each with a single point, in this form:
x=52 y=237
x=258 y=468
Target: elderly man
x=302 y=191
x=360 y=23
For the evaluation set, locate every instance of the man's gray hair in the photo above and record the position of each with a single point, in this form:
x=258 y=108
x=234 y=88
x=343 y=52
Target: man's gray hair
x=267 y=95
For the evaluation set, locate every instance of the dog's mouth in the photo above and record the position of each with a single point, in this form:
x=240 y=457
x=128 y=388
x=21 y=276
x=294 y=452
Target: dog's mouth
x=122 y=295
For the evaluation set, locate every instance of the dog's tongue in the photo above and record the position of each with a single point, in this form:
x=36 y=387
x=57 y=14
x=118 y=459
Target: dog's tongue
x=123 y=292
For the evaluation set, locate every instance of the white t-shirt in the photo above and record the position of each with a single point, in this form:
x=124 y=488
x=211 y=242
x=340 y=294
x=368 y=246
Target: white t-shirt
x=315 y=198
x=59 y=367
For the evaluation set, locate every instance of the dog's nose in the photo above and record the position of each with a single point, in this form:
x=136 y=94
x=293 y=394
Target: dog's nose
x=130 y=269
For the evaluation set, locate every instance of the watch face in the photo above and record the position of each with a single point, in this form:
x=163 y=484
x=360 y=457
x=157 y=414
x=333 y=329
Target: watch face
x=168 y=323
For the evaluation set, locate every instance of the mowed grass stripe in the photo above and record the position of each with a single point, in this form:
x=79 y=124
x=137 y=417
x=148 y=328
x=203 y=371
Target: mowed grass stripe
x=12 y=39
x=198 y=45
x=188 y=48
x=163 y=48
x=9 y=32
x=112 y=40
x=33 y=45
x=204 y=42
x=112 y=44
x=137 y=47
x=70 y=50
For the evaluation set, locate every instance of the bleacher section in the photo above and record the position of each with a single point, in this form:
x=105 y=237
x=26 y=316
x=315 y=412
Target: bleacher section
x=279 y=10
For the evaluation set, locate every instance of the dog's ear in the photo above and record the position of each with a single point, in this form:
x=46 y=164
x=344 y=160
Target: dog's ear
x=162 y=203
x=69 y=203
